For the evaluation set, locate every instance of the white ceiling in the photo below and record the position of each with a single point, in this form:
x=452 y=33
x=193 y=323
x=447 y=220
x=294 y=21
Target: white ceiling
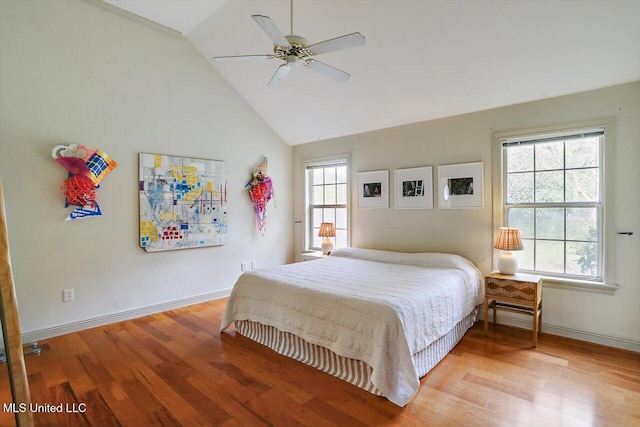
x=423 y=59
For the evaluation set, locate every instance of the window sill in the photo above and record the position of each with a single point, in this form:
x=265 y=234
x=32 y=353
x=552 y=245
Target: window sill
x=579 y=285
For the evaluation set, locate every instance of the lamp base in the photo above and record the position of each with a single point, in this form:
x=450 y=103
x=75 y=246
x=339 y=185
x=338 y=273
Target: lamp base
x=327 y=246
x=507 y=263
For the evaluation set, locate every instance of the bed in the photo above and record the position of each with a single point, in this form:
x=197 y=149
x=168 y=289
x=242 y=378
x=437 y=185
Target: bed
x=380 y=320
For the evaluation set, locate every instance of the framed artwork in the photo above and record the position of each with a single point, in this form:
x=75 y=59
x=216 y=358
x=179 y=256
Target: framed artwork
x=461 y=186
x=373 y=190
x=414 y=188
x=183 y=202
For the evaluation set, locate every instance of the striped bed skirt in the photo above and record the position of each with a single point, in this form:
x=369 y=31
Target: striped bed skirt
x=353 y=371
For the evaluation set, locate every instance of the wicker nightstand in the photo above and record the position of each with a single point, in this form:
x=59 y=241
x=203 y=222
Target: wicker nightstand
x=519 y=293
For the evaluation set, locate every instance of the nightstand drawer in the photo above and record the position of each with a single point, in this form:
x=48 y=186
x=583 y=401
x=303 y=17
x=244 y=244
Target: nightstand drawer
x=512 y=289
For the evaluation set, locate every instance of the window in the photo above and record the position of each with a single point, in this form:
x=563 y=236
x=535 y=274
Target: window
x=553 y=191
x=327 y=195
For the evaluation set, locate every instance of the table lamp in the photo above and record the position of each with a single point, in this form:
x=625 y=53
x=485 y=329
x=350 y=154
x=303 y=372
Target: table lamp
x=508 y=240
x=327 y=229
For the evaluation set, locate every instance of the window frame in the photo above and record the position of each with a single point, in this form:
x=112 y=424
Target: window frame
x=320 y=163
x=605 y=283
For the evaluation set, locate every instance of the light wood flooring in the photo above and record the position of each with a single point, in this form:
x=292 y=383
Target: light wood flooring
x=176 y=368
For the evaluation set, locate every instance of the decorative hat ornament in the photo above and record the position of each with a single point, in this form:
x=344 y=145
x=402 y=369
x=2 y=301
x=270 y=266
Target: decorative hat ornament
x=261 y=191
x=87 y=167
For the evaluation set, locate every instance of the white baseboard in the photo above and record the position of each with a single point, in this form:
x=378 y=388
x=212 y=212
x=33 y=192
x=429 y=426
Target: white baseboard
x=608 y=340
x=55 y=331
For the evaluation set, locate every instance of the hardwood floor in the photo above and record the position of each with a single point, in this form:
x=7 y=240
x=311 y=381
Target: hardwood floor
x=176 y=368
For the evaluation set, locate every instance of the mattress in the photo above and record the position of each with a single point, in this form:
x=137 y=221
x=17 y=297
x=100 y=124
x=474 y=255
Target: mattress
x=377 y=307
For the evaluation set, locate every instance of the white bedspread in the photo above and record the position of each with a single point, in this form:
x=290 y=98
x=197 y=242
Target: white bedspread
x=375 y=306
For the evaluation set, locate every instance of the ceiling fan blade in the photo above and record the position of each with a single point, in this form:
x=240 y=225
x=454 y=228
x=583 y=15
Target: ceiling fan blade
x=279 y=75
x=343 y=42
x=241 y=57
x=328 y=70
x=272 y=31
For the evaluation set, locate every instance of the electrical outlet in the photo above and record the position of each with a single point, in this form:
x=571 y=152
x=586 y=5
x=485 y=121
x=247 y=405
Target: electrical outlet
x=67 y=295
x=254 y=265
x=243 y=266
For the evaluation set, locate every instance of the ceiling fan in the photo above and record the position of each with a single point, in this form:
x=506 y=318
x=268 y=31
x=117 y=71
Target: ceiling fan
x=294 y=50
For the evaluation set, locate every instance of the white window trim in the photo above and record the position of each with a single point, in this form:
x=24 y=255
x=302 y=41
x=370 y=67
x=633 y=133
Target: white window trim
x=607 y=285
x=341 y=158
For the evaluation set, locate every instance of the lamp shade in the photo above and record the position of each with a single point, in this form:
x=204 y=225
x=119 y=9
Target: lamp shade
x=327 y=229
x=508 y=239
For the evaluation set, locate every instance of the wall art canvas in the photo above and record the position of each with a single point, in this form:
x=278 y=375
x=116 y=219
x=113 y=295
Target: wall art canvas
x=461 y=186
x=414 y=188
x=183 y=202
x=373 y=189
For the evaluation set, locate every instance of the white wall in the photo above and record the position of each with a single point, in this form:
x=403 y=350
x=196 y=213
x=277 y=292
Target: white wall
x=77 y=72
x=610 y=319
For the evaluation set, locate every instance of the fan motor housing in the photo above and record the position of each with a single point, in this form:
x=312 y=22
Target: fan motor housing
x=293 y=39
x=297 y=48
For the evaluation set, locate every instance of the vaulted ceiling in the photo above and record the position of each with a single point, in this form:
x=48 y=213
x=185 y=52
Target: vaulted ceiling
x=423 y=59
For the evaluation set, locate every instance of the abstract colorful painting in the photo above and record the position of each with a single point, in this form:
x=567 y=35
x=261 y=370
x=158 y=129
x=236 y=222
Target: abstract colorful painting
x=183 y=202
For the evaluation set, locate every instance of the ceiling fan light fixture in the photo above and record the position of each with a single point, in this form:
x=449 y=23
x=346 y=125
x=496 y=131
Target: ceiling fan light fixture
x=292 y=60
x=293 y=49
